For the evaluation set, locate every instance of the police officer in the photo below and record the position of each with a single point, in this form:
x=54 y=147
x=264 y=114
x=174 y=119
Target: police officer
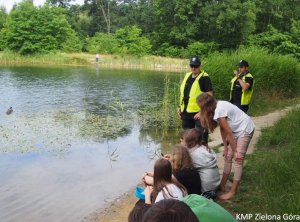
x=242 y=87
x=193 y=84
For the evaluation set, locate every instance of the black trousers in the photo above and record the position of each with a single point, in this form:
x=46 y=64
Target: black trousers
x=188 y=122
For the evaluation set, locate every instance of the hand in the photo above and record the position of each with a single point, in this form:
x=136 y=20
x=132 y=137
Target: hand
x=147 y=178
x=236 y=73
x=197 y=116
x=167 y=156
x=148 y=191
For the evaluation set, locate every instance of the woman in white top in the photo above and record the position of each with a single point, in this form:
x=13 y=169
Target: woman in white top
x=164 y=185
x=204 y=160
x=236 y=127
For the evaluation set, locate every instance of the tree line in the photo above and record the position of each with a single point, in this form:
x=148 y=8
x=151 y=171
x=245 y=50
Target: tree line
x=176 y=28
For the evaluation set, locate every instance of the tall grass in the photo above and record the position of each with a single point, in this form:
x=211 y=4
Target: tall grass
x=275 y=75
x=110 y=61
x=162 y=115
x=10 y=58
x=271 y=177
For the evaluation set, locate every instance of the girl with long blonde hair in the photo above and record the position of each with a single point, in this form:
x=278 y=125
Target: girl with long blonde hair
x=184 y=170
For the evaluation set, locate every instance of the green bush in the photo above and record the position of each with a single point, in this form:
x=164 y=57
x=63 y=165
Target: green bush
x=274 y=41
x=195 y=48
x=172 y=51
x=103 y=43
x=73 y=43
x=201 y=48
x=131 y=41
x=34 y=30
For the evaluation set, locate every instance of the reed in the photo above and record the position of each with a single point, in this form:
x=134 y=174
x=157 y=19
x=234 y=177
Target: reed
x=162 y=114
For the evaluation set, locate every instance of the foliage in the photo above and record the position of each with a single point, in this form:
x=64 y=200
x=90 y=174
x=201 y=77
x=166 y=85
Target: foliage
x=103 y=43
x=201 y=48
x=72 y=43
x=275 y=41
x=127 y=40
x=174 y=28
x=131 y=41
x=171 y=51
x=3 y=16
x=30 y=30
x=162 y=115
x=227 y=22
x=61 y=3
x=195 y=48
x=276 y=13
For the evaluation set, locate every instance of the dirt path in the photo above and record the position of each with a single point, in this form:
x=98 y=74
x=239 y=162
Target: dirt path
x=118 y=210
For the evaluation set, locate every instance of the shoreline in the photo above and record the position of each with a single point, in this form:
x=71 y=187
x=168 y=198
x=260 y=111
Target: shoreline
x=119 y=209
x=115 y=210
x=150 y=62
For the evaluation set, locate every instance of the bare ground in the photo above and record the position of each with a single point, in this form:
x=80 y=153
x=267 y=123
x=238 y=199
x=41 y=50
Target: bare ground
x=118 y=210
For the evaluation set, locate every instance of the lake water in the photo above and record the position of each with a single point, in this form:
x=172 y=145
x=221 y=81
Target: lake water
x=73 y=141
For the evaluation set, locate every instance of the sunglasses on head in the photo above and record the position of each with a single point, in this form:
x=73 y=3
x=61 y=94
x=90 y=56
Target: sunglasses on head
x=194 y=66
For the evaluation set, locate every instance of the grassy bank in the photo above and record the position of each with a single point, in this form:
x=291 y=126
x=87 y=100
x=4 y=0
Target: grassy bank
x=9 y=58
x=109 y=61
x=271 y=177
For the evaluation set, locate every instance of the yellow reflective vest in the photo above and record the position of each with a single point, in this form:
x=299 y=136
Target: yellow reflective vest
x=246 y=94
x=192 y=106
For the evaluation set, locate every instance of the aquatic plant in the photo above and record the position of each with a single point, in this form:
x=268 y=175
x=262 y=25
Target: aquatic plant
x=162 y=115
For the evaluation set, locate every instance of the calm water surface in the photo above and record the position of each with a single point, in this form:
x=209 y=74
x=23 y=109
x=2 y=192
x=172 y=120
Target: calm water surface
x=73 y=142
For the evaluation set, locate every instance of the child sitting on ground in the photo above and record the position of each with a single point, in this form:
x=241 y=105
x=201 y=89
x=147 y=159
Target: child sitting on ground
x=182 y=169
x=164 y=185
x=204 y=160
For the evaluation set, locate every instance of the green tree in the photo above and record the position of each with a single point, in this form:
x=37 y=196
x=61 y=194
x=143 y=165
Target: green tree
x=228 y=22
x=176 y=22
x=180 y=23
x=32 y=30
x=201 y=48
x=60 y=3
x=103 y=43
x=295 y=30
x=72 y=43
x=131 y=41
x=283 y=43
x=100 y=12
x=3 y=16
x=277 y=13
